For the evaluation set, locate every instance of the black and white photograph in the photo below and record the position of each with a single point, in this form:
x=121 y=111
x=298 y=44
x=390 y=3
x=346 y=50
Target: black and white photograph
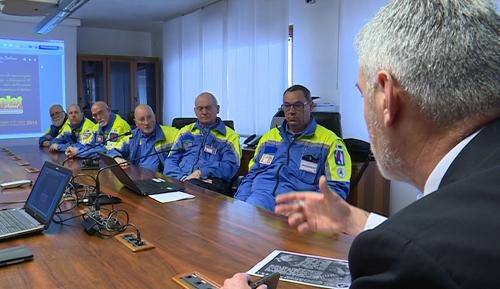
x=305 y=269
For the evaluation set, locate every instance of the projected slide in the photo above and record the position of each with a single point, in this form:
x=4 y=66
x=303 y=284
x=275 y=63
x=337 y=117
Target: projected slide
x=31 y=80
x=19 y=101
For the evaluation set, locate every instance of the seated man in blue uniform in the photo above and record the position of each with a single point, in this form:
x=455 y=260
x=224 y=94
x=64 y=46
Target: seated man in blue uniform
x=212 y=150
x=147 y=139
x=79 y=128
x=59 y=120
x=294 y=156
x=107 y=133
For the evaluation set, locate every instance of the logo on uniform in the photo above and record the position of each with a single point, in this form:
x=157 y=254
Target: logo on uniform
x=113 y=136
x=339 y=155
x=86 y=134
x=341 y=172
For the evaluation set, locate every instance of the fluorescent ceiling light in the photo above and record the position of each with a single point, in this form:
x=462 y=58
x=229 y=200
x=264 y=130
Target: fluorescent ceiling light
x=64 y=9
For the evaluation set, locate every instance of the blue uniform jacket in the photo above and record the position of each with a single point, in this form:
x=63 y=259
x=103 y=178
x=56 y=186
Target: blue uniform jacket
x=283 y=163
x=104 y=138
x=71 y=135
x=52 y=132
x=214 y=151
x=139 y=145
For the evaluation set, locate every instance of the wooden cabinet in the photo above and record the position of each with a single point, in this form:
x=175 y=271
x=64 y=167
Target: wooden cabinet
x=121 y=81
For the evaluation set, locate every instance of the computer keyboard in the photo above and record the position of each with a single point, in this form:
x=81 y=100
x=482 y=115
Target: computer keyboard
x=14 y=221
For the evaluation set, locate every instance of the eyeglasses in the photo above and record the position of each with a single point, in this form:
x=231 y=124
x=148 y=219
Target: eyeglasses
x=298 y=106
x=359 y=89
x=52 y=115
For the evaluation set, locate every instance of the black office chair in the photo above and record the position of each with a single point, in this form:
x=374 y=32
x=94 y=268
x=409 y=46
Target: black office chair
x=180 y=122
x=330 y=120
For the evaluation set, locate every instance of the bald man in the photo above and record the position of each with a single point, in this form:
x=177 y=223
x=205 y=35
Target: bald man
x=148 y=138
x=79 y=128
x=212 y=150
x=105 y=133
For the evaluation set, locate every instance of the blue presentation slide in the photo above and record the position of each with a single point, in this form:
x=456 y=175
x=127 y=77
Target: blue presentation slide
x=31 y=80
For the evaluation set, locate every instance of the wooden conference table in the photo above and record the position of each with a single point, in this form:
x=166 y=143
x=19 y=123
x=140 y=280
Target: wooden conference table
x=210 y=234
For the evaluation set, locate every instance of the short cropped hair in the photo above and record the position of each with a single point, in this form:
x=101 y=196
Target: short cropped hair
x=298 y=87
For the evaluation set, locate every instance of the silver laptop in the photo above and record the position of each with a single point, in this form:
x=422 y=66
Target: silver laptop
x=142 y=187
x=40 y=205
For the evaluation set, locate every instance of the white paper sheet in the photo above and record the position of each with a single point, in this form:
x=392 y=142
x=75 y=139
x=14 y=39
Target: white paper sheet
x=171 y=197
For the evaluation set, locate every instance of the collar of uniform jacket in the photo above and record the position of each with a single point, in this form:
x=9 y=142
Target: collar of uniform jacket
x=219 y=125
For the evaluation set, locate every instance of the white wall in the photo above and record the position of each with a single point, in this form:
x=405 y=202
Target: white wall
x=315 y=48
x=353 y=15
x=113 y=42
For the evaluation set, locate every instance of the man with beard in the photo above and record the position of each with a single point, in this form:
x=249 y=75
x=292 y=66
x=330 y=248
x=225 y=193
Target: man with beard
x=106 y=133
x=79 y=128
x=59 y=120
x=429 y=75
x=148 y=138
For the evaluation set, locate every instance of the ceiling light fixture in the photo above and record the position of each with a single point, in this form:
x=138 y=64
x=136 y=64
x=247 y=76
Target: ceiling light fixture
x=64 y=9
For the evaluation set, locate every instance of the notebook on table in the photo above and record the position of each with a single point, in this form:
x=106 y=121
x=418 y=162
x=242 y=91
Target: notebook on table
x=142 y=187
x=40 y=206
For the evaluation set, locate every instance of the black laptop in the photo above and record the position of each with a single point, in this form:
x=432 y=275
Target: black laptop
x=142 y=187
x=40 y=205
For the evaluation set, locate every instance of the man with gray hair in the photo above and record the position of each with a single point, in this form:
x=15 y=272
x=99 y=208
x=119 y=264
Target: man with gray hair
x=430 y=78
x=79 y=128
x=59 y=120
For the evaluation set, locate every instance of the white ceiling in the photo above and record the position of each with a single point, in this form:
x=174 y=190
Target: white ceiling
x=140 y=15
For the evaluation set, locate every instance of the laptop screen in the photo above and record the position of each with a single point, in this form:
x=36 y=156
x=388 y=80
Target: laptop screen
x=118 y=171
x=47 y=192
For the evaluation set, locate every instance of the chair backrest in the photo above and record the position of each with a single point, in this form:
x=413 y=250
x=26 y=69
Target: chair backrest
x=180 y=122
x=330 y=120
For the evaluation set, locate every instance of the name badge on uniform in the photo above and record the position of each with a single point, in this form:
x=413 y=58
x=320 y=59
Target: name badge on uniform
x=339 y=155
x=266 y=159
x=210 y=149
x=308 y=166
x=86 y=134
x=100 y=138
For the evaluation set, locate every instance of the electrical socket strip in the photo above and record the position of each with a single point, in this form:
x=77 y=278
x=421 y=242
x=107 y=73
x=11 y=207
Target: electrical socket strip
x=194 y=280
x=129 y=240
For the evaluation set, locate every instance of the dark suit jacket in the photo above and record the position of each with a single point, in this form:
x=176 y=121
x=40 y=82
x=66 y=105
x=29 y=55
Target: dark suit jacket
x=448 y=239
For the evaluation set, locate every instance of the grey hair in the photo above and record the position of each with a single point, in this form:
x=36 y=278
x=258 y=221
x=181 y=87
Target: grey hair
x=214 y=100
x=56 y=106
x=144 y=106
x=444 y=53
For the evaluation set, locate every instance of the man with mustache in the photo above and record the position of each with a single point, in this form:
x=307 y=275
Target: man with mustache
x=79 y=128
x=105 y=133
x=59 y=120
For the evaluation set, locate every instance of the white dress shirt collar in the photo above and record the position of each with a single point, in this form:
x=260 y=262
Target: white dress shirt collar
x=437 y=174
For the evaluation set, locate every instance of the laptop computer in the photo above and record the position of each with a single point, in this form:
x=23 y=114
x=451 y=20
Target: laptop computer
x=142 y=187
x=40 y=206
